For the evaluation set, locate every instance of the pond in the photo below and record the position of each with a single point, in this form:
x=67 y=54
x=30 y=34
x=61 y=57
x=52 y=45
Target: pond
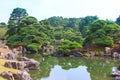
x=75 y=68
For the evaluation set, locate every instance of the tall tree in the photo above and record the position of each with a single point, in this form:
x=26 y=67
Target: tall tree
x=14 y=20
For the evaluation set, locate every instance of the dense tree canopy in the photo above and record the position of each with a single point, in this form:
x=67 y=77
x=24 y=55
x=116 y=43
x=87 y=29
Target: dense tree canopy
x=31 y=34
x=103 y=33
x=27 y=31
x=85 y=22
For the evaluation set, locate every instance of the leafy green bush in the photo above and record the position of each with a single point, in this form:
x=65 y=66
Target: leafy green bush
x=33 y=47
x=14 y=40
x=104 y=41
x=66 y=46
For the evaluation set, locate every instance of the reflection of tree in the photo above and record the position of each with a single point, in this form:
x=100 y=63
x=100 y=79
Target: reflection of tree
x=46 y=64
x=99 y=68
x=67 y=63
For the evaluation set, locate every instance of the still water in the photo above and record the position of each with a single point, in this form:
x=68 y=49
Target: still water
x=66 y=68
x=57 y=73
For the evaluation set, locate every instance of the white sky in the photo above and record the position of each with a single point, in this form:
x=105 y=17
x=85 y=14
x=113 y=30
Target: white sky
x=41 y=9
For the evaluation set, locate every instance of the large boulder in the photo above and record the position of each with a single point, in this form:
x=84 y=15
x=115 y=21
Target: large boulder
x=8 y=75
x=17 y=76
x=31 y=64
x=24 y=75
x=16 y=65
x=22 y=64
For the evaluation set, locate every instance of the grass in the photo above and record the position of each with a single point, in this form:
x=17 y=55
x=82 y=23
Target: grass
x=2 y=78
x=4 y=69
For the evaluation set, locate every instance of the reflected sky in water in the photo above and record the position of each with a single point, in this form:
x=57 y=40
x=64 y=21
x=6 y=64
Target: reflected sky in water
x=79 y=73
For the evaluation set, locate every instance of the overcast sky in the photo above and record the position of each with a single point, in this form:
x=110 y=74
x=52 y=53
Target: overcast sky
x=41 y=9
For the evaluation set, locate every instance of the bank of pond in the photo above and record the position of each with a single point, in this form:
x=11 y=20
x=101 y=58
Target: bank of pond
x=85 y=65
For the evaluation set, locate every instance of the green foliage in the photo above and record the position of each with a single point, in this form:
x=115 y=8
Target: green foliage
x=85 y=22
x=3 y=31
x=103 y=41
x=72 y=36
x=77 y=24
x=34 y=47
x=66 y=46
x=103 y=33
x=31 y=34
x=18 y=13
x=56 y=21
x=28 y=21
x=14 y=40
x=15 y=19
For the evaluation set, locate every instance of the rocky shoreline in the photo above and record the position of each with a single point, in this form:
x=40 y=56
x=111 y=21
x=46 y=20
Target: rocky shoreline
x=23 y=64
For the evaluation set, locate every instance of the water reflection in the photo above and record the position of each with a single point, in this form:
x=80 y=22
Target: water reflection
x=57 y=73
x=65 y=68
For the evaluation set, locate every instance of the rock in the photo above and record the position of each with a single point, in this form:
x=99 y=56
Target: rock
x=48 y=49
x=24 y=75
x=116 y=55
x=92 y=53
x=31 y=64
x=8 y=75
x=1 y=55
x=17 y=76
x=6 y=47
x=21 y=65
x=24 y=59
x=16 y=65
x=117 y=78
x=10 y=56
x=115 y=73
x=8 y=64
x=24 y=63
x=108 y=50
